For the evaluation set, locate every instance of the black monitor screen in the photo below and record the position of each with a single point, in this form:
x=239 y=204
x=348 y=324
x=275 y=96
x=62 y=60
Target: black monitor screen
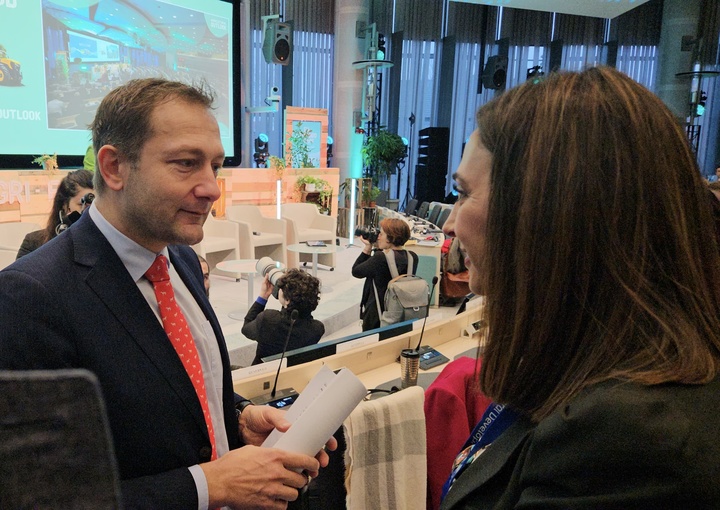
x=59 y=58
x=321 y=350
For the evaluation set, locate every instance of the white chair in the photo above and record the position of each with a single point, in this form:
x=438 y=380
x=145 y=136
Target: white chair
x=260 y=236
x=7 y=257
x=221 y=242
x=305 y=223
x=13 y=233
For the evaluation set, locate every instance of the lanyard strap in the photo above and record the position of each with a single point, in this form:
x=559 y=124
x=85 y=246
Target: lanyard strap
x=495 y=420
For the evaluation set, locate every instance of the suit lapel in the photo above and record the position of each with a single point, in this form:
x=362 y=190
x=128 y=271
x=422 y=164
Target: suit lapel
x=111 y=282
x=490 y=463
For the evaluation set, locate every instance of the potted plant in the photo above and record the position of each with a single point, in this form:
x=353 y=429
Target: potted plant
x=320 y=186
x=299 y=143
x=382 y=152
x=279 y=165
x=346 y=190
x=49 y=163
x=369 y=196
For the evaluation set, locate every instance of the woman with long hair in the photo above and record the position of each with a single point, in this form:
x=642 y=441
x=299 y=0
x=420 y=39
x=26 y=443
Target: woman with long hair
x=71 y=199
x=586 y=225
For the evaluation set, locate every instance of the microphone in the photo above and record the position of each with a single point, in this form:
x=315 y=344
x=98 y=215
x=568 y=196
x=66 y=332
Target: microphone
x=427 y=312
x=293 y=317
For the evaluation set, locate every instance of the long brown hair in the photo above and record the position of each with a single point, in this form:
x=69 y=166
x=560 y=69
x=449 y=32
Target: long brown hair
x=602 y=260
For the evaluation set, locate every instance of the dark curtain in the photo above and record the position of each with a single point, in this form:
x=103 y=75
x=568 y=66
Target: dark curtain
x=307 y=15
x=640 y=26
x=467 y=22
x=526 y=28
x=709 y=32
x=579 y=30
x=420 y=20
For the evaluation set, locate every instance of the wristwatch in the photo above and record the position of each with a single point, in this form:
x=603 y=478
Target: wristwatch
x=240 y=407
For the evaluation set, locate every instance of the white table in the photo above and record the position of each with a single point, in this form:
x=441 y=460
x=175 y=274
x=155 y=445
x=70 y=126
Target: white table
x=315 y=251
x=246 y=267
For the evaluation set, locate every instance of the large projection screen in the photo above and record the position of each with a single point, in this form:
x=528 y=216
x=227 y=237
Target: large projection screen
x=58 y=59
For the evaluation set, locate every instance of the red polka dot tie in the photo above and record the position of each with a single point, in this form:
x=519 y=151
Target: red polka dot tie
x=179 y=334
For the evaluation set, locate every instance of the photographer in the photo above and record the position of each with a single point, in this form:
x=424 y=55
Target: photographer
x=394 y=233
x=73 y=196
x=297 y=290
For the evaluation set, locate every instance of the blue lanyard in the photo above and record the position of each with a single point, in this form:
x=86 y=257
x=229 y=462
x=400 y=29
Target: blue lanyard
x=495 y=420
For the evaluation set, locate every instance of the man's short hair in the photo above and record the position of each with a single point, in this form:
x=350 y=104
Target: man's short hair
x=123 y=117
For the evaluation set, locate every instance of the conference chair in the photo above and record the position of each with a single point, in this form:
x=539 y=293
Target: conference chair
x=305 y=223
x=13 y=233
x=260 y=236
x=423 y=210
x=411 y=206
x=55 y=444
x=434 y=213
x=221 y=242
x=444 y=215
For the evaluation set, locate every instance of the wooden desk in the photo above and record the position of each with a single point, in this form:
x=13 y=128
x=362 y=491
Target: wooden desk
x=373 y=364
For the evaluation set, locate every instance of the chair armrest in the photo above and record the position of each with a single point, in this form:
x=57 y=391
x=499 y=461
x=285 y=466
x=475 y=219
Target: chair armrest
x=323 y=222
x=221 y=228
x=273 y=225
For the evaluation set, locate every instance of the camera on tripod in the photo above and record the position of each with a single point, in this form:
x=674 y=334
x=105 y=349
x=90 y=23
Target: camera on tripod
x=273 y=269
x=369 y=233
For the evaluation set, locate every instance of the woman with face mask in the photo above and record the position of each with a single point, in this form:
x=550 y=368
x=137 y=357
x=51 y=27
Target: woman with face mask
x=73 y=195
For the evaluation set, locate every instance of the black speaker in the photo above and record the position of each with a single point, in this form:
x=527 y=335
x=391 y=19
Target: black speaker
x=431 y=170
x=495 y=72
x=278 y=42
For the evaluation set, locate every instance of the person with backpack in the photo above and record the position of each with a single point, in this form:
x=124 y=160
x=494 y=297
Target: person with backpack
x=394 y=233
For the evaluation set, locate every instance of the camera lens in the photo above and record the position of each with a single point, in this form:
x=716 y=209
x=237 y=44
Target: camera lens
x=267 y=266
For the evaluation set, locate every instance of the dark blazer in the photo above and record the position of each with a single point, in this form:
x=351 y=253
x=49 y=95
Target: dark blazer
x=269 y=328
x=615 y=446
x=32 y=241
x=72 y=304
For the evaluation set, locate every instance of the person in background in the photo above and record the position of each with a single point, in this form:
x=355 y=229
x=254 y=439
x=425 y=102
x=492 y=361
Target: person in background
x=394 y=233
x=585 y=223
x=121 y=294
x=74 y=195
x=297 y=290
x=206 y=274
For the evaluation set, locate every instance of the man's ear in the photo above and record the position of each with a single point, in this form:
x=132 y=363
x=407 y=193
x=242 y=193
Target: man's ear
x=110 y=167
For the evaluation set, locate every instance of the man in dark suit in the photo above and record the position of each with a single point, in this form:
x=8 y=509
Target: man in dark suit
x=83 y=301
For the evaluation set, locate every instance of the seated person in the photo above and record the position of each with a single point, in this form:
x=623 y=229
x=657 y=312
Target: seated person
x=297 y=290
x=68 y=204
x=394 y=233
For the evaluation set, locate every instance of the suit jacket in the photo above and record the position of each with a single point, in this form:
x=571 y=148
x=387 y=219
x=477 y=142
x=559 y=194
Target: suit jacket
x=615 y=446
x=72 y=304
x=269 y=328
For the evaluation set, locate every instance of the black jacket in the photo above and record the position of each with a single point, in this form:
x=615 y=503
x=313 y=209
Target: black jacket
x=375 y=269
x=269 y=328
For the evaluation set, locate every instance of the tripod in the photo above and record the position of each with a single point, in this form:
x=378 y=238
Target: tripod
x=408 y=194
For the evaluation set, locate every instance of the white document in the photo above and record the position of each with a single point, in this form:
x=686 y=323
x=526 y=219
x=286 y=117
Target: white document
x=319 y=411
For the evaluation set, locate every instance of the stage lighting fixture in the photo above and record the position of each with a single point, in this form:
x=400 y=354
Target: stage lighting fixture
x=535 y=74
x=330 y=142
x=381 y=47
x=699 y=108
x=261 y=150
